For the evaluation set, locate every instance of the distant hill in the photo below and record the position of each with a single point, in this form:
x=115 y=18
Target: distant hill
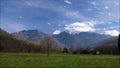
x=83 y=39
x=109 y=46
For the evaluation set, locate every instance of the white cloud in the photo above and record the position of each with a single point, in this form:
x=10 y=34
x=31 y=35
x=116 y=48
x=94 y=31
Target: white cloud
x=12 y=25
x=56 y=32
x=59 y=25
x=49 y=24
x=77 y=27
x=109 y=14
x=94 y=3
x=96 y=7
x=104 y=29
x=67 y=1
x=20 y=17
x=106 y=7
x=89 y=9
x=76 y=15
x=92 y=23
x=16 y=27
x=72 y=14
x=117 y=3
x=112 y=32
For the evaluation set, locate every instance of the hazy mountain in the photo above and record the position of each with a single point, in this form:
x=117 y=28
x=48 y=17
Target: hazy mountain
x=113 y=40
x=65 y=38
x=82 y=39
x=31 y=35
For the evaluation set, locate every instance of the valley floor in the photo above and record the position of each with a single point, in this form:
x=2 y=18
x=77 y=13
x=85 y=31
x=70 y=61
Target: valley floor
x=37 y=60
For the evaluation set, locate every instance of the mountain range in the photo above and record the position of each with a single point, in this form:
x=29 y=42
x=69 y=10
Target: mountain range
x=83 y=39
x=84 y=42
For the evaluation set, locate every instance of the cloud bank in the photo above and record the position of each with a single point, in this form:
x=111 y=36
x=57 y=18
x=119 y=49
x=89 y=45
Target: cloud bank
x=78 y=27
x=112 y=32
x=56 y=32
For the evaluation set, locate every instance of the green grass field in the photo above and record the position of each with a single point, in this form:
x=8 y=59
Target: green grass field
x=21 y=60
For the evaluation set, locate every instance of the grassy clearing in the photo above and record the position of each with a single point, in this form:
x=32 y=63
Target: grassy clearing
x=21 y=60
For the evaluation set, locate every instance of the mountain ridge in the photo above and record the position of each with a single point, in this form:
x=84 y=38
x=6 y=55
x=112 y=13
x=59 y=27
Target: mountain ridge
x=83 y=39
x=31 y=35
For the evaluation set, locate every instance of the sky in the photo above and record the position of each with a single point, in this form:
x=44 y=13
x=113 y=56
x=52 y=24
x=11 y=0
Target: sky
x=55 y=16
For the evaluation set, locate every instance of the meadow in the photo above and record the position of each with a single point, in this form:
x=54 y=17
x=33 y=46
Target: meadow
x=37 y=60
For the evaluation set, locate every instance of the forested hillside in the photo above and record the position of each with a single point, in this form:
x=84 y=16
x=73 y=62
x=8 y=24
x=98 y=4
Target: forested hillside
x=9 y=43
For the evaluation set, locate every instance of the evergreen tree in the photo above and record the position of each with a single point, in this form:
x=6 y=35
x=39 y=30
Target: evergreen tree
x=65 y=50
x=119 y=43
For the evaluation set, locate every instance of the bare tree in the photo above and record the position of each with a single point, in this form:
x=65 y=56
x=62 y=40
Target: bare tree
x=48 y=42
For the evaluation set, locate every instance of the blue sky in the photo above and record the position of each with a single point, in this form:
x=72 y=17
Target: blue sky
x=55 y=16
